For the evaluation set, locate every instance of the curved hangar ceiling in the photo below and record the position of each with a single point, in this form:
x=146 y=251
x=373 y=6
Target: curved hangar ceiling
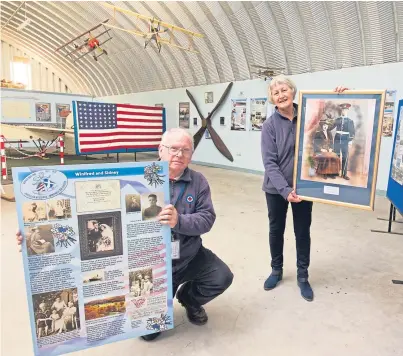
x=296 y=36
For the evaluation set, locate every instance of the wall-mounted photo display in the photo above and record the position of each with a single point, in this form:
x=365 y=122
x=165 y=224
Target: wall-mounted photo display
x=258 y=113
x=61 y=121
x=43 y=112
x=222 y=121
x=337 y=147
x=208 y=97
x=389 y=113
x=238 y=114
x=184 y=115
x=195 y=121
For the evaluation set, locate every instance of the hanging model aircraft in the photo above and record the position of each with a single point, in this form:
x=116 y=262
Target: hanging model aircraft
x=266 y=72
x=91 y=41
x=152 y=29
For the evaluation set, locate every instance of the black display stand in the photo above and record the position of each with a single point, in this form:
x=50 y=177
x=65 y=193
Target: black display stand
x=392 y=219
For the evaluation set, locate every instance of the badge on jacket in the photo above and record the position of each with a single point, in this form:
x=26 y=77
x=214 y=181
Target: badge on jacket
x=190 y=199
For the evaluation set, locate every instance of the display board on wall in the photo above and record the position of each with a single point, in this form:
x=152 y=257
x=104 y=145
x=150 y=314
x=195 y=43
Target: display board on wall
x=389 y=113
x=184 y=115
x=238 y=114
x=15 y=109
x=258 y=113
x=395 y=184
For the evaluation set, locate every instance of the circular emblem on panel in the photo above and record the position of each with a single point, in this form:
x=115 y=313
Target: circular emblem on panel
x=43 y=184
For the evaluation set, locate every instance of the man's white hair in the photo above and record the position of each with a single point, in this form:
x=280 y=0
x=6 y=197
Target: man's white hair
x=176 y=131
x=281 y=79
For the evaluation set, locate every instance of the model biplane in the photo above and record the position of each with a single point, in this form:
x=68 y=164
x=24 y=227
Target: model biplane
x=152 y=29
x=91 y=41
x=266 y=72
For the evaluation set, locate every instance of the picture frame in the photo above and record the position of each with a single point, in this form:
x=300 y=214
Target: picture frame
x=338 y=138
x=88 y=249
x=43 y=112
x=208 y=97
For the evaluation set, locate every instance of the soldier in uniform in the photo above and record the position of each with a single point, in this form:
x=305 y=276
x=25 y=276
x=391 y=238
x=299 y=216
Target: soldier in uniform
x=345 y=132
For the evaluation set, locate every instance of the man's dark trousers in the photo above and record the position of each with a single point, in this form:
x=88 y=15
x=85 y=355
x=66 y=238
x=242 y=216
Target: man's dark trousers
x=302 y=215
x=207 y=275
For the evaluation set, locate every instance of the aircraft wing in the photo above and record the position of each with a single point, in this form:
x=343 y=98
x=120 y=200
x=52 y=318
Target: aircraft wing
x=26 y=132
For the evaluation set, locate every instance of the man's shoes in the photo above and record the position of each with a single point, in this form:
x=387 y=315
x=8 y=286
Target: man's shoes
x=150 y=337
x=196 y=315
x=346 y=178
x=306 y=290
x=274 y=278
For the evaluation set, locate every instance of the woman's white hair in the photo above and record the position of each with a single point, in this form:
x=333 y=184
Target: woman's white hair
x=178 y=132
x=281 y=79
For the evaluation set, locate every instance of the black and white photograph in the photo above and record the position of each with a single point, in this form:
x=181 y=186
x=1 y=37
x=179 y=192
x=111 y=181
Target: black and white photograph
x=152 y=204
x=141 y=282
x=133 y=203
x=56 y=312
x=195 y=121
x=34 y=211
x=39 y=240
x=222 y=121
x=208 y=97
x=93 y=276
x=100 y=235
x=59 y=209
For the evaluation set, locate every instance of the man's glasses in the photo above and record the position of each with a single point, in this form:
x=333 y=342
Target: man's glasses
x=174 y=151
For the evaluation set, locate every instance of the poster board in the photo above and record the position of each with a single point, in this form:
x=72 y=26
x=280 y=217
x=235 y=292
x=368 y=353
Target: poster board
x=97 y=263
x=395 y=183
x=15 y=109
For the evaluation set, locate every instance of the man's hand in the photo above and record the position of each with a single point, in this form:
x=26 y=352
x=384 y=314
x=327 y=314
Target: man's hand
x=19 y=238
x=168 y=216
x=293 y=197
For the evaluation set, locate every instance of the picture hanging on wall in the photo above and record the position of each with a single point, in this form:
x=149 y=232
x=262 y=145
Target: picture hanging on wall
x=43 y=112
x=207 y=134
x=195 y=121
x=238 y=114
x=184 y=115
x=208 y=97
x=337 y=147
x=61 y=121
x=222 y=121
x=258 y=113
x=397 y=158
x=159 y=105
x=389 y=113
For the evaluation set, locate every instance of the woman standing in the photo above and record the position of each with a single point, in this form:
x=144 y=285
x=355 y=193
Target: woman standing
x=278 y=150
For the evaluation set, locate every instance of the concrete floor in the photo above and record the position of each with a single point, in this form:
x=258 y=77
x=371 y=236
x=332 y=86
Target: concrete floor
x=357 y=310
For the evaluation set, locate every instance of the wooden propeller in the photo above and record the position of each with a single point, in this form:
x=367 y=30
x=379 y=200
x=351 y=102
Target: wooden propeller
x=206 y=124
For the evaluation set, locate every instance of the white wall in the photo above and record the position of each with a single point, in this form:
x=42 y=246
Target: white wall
x=245 y=146
x=43 y=76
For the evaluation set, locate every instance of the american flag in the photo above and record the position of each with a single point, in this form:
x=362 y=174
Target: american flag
x=113 y=127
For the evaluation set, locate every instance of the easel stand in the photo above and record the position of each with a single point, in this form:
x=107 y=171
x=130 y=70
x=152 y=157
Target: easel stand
x=392 y=218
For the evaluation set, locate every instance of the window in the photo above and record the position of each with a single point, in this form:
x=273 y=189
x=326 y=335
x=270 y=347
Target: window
x=21 y=71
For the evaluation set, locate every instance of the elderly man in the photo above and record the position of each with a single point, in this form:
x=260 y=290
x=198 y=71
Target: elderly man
x=201 y=274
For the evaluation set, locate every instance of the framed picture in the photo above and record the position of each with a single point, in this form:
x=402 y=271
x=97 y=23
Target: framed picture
x=195 y=121
x=337 y=147
x=61 y=121
x=222 y=121
x=100 y=235
x=184 y=115
x=208 y=97
x=42 y=111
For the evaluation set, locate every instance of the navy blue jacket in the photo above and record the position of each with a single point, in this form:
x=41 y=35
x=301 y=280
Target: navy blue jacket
x=278 y=150
x=196 y=214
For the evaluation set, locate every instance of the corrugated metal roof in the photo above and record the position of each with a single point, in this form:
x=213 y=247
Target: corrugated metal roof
x=301 y=37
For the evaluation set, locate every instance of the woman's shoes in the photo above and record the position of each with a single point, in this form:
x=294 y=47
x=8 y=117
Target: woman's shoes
x=275 y=277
